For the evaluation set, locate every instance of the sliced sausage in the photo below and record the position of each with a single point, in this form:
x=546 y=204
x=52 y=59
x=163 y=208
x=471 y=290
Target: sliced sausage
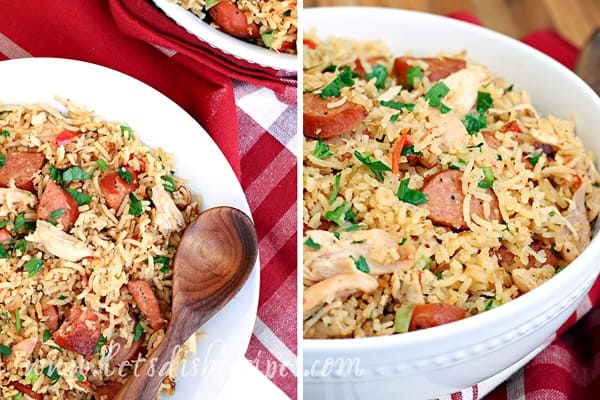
x=51 y=314
x=79 y=332
x=358 y=68
x=430 y=315
x=121 y=353
x=445 y=200
x=146 y=301
x=508 y=261
x=438 y=68
x=108 y=391
x=21 y=167
x=323 y=122
x=26 y=390
x=5 y=236
x=115 y=189
x=233 y=21
x=55 y=199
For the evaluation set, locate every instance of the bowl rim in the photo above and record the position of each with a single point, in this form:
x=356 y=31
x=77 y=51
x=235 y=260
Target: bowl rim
x=315 y=348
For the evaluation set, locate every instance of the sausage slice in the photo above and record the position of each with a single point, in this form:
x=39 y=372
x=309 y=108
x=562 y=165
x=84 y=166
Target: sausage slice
x=26 y=390
x=233 y=21
x=21 y=167
x=508 y=261
x=80 y=332
x=51 y=314
x=5 y=236
x=122 y=353
x=108 y=391
x=430 y=315
x=323 y=122
x=439 y=68
x=53 y=200
x=445 y=204
x=146 y=301
x=115 y=189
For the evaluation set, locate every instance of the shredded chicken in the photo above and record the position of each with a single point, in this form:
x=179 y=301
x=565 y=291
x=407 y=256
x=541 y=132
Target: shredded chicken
x=577 y=217
x=58 y=243
x=464 y=86
x=340 y=285
x=10 y=196
x=23 y=349
x=335 y=256
x=451 y=130
x=168 y=217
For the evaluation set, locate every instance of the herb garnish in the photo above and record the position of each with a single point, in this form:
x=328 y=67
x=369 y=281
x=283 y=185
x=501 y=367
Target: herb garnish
x=135 y=208
x=2 y=160
x=534 y=157
x=322 y=150
x=344 y=79
x=484 y=102
x=341 y=214
x=312 y=244
x=51 y=372
x=380 y=73
x=103 y=165
x=33 y=266
x=436 y=93
x=169 y=184
x=411 y=196
x=378 y=167
x=125 y=175
x=413 y=73
x=138 y=331
x=74 y=174
x=336 y=188
x=361 y=264
x=5 y=133
x=488 y=178
x=80 y=197
x=101 y=342
x=396 y=105
x=474 y=123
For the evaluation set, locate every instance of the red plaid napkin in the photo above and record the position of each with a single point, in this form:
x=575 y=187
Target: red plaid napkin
x=569 y=368
x=250 y=112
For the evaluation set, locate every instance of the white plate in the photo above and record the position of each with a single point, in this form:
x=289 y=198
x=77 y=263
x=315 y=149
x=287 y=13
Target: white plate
x=227 y=43
x=159 y=122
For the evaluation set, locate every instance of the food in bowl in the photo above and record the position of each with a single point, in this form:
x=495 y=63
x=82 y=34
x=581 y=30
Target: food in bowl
x=271 y=23
x=90 y=219
x=433 y=190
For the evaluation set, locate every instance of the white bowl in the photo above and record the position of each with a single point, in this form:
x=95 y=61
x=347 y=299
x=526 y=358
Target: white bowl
x=448 y=358
x=284 y=62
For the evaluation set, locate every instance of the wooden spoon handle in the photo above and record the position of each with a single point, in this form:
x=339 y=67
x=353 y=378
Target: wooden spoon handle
x=146 y=379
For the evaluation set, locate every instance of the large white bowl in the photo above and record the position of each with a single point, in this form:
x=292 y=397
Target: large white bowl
x=284 y=62
x=445 y=359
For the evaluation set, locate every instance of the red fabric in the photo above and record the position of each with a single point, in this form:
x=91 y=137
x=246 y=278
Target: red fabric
x=134 y=37
x=570 y=367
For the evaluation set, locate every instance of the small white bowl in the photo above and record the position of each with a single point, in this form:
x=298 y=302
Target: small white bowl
x=284 y=62
x=445 y=359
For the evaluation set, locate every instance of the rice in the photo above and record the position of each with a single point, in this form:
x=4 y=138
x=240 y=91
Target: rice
x=375 y=252
x=277 y=20
x=121 y=244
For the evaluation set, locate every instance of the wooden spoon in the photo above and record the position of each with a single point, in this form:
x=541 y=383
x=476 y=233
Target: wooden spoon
x=588 y=62
x=214 y=259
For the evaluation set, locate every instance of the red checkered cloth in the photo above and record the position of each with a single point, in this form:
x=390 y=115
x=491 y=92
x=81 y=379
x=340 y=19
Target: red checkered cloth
x=569 y=368
x=248 y=110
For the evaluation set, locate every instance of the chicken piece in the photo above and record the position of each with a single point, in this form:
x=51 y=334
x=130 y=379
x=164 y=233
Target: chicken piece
x=340 y=285
x=58 y=243
x=451 y=130
x=146 y=302
x=10 y=197
x=577 y=217
x=168 y=218
x=380 y=249
x=23 y=349
x=464 y=86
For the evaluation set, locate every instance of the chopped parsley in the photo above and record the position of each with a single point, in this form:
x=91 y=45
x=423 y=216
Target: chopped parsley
x=164 y=261
x=396 y=105
x=126 y=131
x=74 y=174
x=484 y=102
x=46 y=336
x=492 y=303
x=422 y=263
x=52 y=373
x=80 y=197
x=55 y=174
x=80 y=377
x=3 y=252
x=413 y=73
x=18 y=325
x=103 y=165
x=552 y=213
x=62 y=297
x=474 y=123
x=125 y=175
x=411 y=196
x=21 y=246
x=57 y=213
x=534 y=157
x=395 y=117
x=5 y=133
x=380 y=73
x=169 y=184
x=378 y=167
x=410 y=150
x=436 y=93
x=438 y=275
x=2 y=160
x=5 y=350
x=312 y=244
x=344 y=79
x=287 y=13
x=33 y=266
x=404 y=239
x=336 y=235
x=510 y=88
x=19 y=222
x=135 y=208
x=476 y=146
x=361 y=264
x=3 y=223
x=330 y=68
x=336 y=188
x=488 y=178
x=101 y=342
x=444 y=109
x=137 y=331
x=322 y=150
x=341 y=214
